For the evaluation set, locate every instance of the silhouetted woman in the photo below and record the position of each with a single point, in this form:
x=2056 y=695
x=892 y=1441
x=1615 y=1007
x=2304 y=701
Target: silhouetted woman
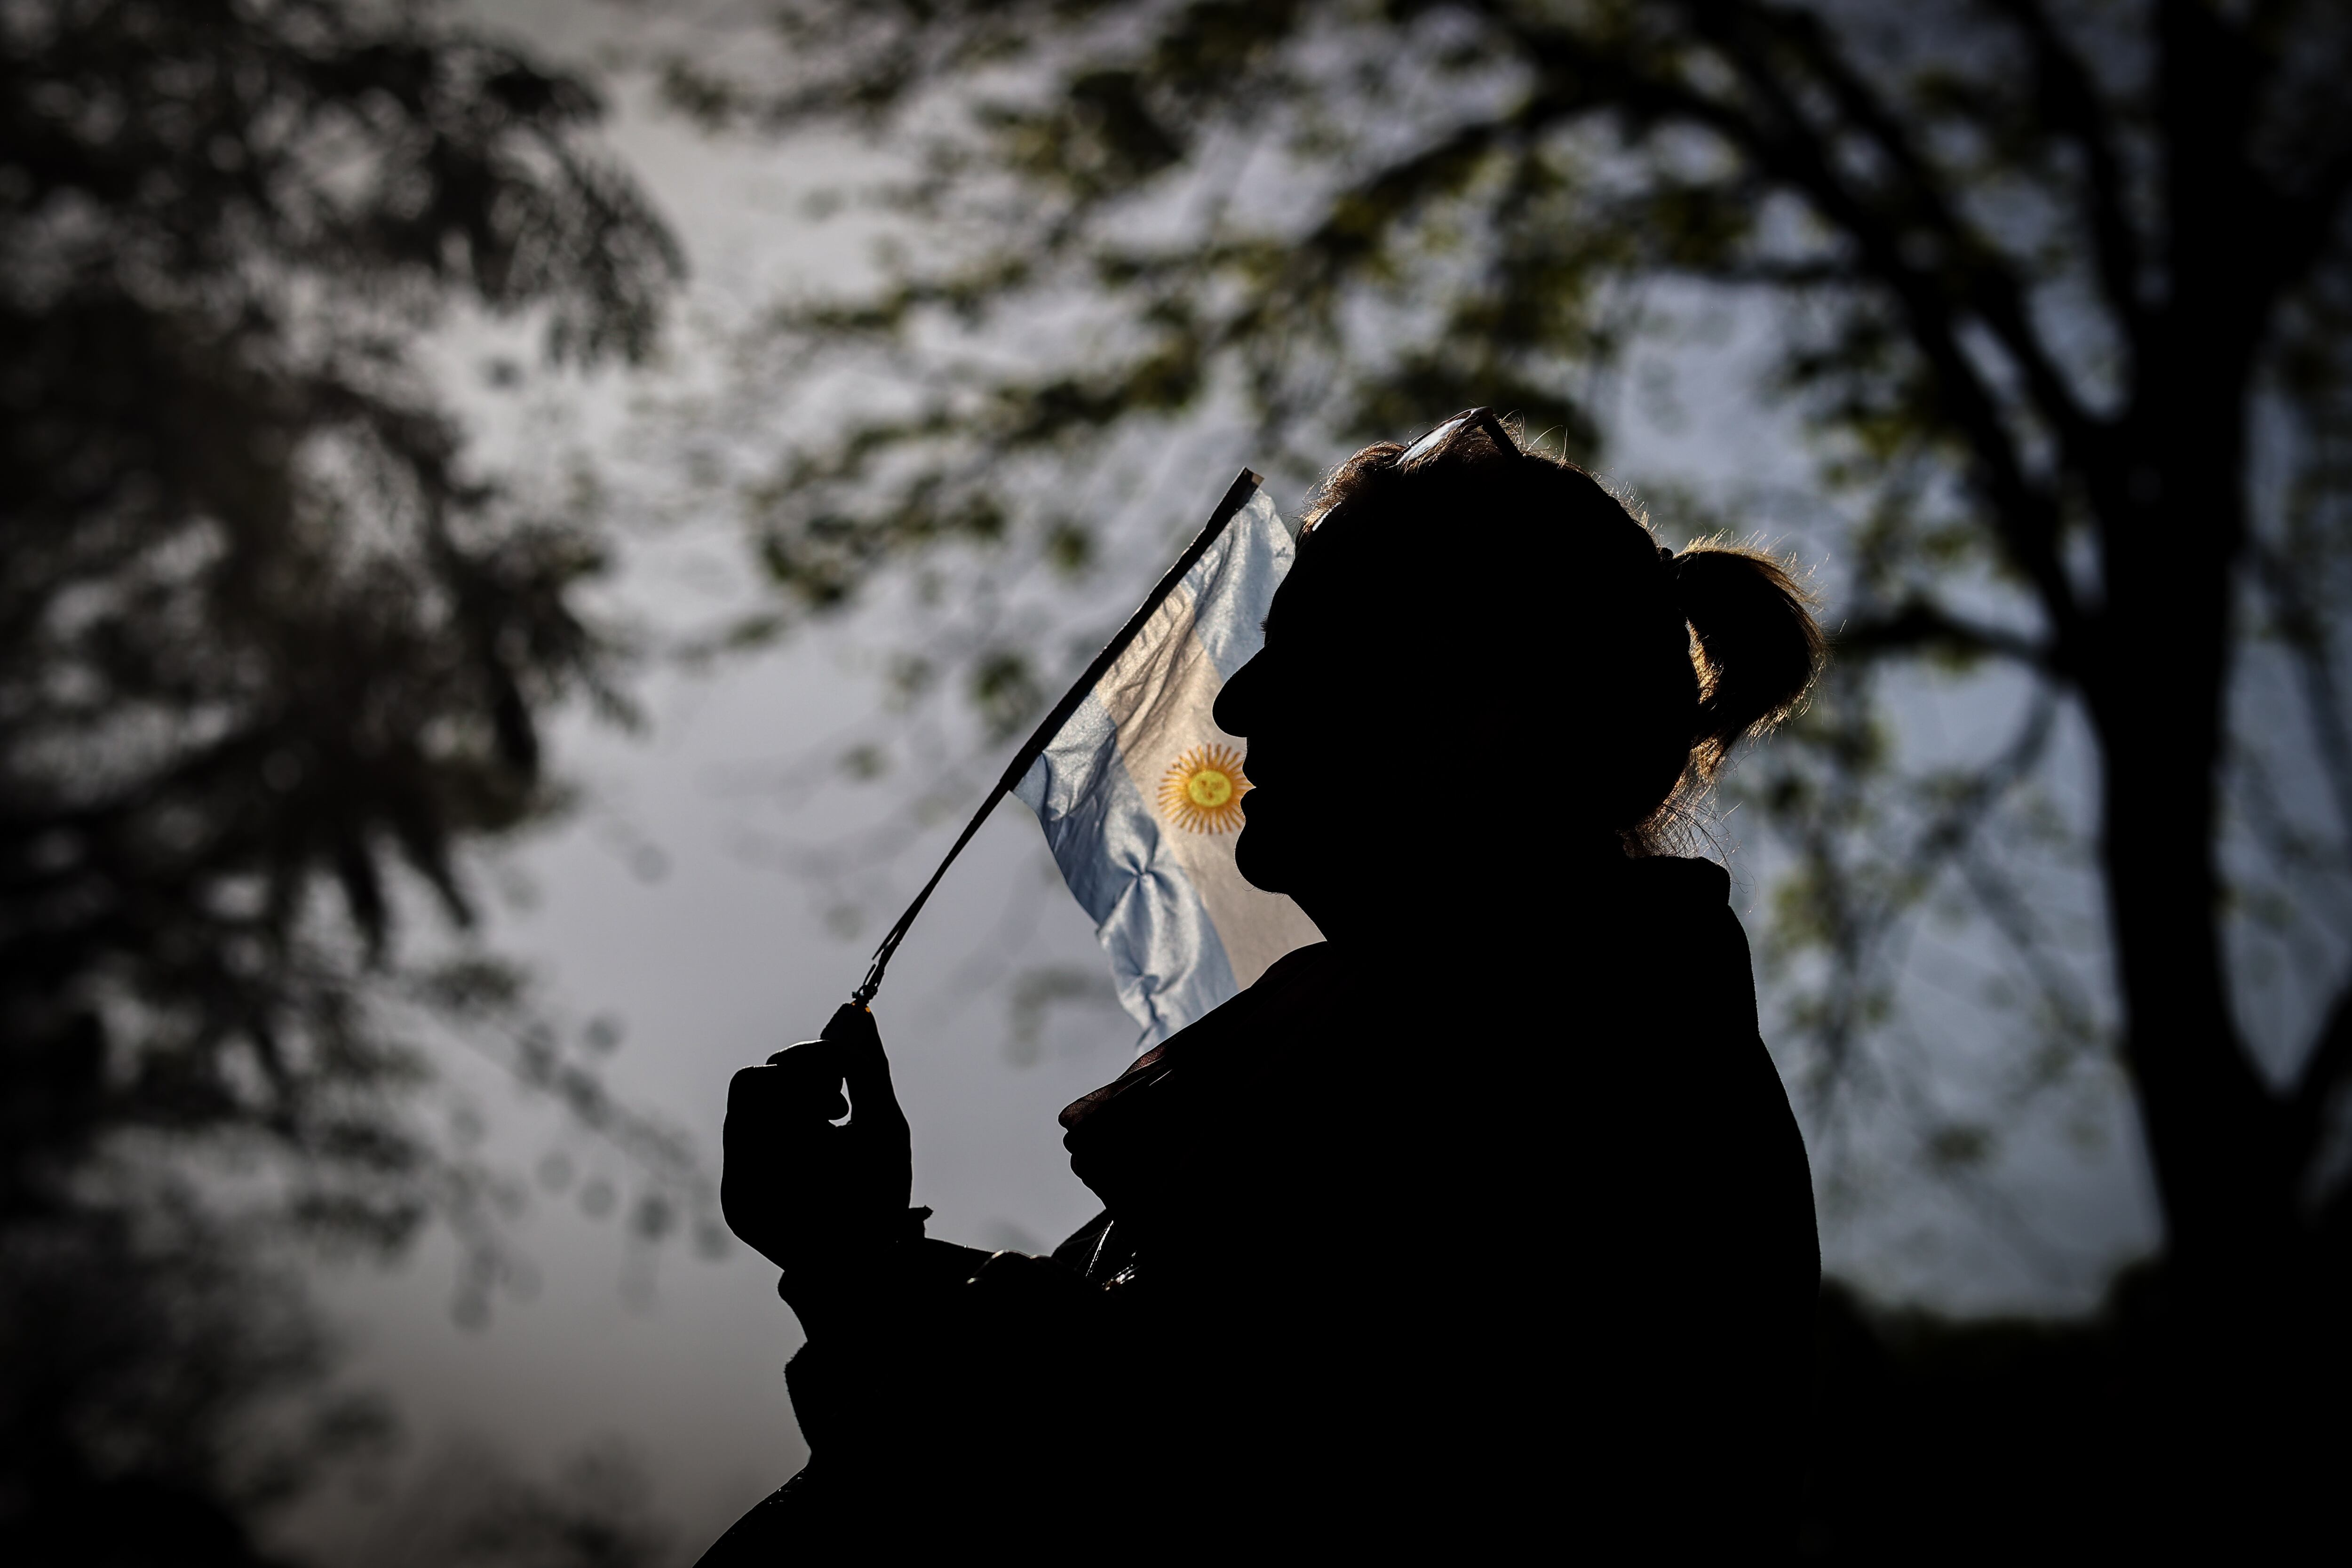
x=1482 y=1226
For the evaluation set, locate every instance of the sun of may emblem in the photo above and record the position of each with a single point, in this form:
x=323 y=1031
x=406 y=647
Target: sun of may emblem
x=1203 y=793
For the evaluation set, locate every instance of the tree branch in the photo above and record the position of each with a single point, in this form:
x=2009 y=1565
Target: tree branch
x=2068 y=98
x=2309 y=647
x=1791 y=149
x=1920 y=626
x=1991 y=288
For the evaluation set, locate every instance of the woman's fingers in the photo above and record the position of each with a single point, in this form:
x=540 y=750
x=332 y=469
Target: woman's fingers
x=808 y=1080
x=807 y=1076
x=877 y=1133
x=866 y=1067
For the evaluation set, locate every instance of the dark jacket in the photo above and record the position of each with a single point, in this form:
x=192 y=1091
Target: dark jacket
x=1460 y=1242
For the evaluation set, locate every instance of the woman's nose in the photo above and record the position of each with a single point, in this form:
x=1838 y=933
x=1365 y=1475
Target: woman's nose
x=1236 y=709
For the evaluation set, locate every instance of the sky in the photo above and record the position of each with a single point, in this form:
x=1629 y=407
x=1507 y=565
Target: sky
x=663 y=903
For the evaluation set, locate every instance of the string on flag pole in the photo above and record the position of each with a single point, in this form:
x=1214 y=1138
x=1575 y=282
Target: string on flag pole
x=1236 y=497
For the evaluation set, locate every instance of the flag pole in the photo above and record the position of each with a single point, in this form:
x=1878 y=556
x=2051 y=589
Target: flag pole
x=1237 y=495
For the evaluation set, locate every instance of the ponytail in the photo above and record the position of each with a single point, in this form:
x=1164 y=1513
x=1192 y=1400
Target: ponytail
x=1758 y=646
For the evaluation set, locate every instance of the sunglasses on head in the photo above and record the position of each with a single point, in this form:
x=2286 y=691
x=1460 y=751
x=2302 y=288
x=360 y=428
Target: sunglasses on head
x=1440 y=440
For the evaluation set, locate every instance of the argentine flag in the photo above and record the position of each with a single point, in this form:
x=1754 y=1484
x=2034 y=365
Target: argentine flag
x=1140 y=792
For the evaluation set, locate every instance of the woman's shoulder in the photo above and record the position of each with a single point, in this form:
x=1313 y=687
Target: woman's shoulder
x=1657 y=951
x=1664 y=909
x=1681 y=879
x=1297 y=986
x=1302 y=986
x=1299 y=964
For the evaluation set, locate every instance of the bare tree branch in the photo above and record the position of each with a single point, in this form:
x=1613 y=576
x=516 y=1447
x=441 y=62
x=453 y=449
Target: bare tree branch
x=2070 y=100
x=1783 y=143
x=1920 y=626
x=2311 y=648
x=1990 y=286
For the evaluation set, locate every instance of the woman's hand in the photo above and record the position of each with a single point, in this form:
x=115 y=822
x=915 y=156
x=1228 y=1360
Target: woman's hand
x=810 y=1193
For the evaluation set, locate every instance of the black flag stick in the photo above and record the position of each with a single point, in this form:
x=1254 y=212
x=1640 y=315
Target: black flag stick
x=1240 y=492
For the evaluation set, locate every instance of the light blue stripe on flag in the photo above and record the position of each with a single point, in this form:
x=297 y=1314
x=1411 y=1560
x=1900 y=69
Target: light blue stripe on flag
x=1139 y=793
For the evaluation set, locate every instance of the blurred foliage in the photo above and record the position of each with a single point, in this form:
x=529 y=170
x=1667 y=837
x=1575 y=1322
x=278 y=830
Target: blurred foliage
x=137 y=1339
x=1988 y=242
x=270 y=657
x=2058 y=293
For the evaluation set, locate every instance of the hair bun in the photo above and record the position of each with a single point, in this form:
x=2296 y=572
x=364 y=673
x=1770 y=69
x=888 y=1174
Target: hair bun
x=1758 y=646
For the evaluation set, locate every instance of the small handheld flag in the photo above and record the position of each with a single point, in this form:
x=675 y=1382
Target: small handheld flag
x=1140 y=792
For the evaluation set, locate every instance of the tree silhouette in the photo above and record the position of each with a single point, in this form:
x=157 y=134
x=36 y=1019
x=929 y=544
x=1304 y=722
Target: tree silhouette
x=2059 y=289
x=268 y=651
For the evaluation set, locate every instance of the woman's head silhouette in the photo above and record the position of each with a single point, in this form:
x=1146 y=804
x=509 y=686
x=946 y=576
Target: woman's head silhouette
x=1481 y=657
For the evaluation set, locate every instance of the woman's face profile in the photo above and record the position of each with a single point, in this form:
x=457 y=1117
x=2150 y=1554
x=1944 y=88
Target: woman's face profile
x=1391 y=735
x=1315 y=762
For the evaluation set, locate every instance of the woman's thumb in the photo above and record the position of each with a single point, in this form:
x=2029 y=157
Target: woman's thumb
x=853 y=1034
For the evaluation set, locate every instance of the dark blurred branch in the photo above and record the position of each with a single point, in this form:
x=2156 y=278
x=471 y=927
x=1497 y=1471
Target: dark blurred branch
x=2069 y=98
x=2013 y=915
x=1920 y=626
x=1983 y=281
x=1779 y=137
x=1859 y=912
x=2304 y=630
x=1950 y=830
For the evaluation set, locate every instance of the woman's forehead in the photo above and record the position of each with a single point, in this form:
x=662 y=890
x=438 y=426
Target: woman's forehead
x=1296 y=599
x=1312 y=607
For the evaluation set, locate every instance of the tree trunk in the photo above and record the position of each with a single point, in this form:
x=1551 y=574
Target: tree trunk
x=2172 y=530
x=2156 y=701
